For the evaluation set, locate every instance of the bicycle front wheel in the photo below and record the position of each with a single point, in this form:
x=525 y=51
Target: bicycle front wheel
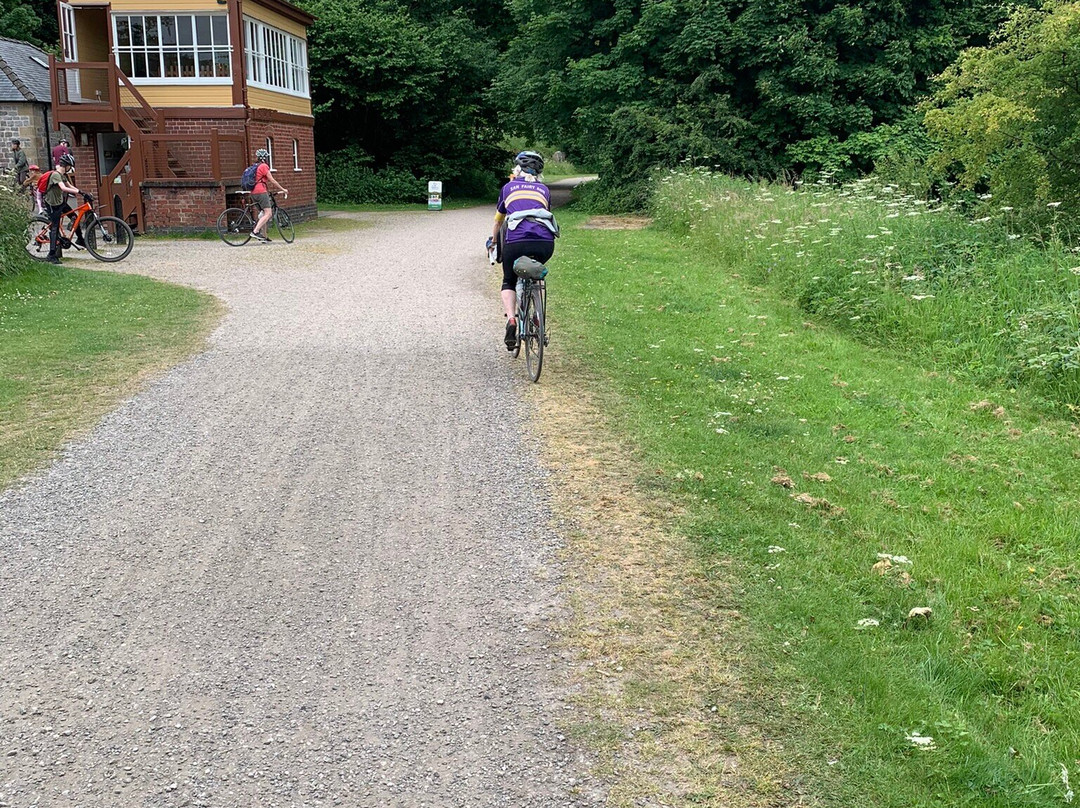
x=109 y=239
x=284 y=226
x=37 y=237
x=533 y=333
x=235 y=226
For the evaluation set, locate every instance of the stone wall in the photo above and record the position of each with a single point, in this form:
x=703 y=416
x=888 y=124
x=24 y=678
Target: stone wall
x=25 y=121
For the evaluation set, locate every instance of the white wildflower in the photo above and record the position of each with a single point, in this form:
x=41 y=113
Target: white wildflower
x=774 y=548
x=1065 y=782
x=921 y=741
x=921 y=297
x=1053 y=204
x=867 y=622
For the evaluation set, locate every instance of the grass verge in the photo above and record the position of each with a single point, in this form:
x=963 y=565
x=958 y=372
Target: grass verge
x=834 y=493
x=75 y=342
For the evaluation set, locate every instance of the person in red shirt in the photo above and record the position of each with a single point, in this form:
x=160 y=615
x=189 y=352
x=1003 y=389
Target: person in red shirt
x=261 y=196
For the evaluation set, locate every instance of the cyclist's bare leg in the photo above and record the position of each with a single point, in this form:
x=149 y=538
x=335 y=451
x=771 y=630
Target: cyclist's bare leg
x=264 y=217
x=509 y=299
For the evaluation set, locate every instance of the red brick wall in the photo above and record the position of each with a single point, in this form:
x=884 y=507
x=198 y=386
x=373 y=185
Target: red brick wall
x=194 y=155
x=300 y=184
x=182 y=206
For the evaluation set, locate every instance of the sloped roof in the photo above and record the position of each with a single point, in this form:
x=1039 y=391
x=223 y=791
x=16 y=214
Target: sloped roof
x=24 y=72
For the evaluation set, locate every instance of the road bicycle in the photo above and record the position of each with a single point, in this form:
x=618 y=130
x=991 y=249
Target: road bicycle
x=531 y=313
x=235 y=225
x=107 y=238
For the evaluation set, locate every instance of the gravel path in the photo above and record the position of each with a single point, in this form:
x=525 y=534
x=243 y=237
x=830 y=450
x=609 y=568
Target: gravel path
x=303 y=568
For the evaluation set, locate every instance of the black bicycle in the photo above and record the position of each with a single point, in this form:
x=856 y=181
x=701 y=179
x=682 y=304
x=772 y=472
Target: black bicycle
x=235 y=225
x=531 y=312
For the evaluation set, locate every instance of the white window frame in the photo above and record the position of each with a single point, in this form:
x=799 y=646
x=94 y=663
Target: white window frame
x=275 y=60
x=296 y=155
x=162 y=49
x=270 y=149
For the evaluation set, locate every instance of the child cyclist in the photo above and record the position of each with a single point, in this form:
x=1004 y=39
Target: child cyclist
x=523 y=226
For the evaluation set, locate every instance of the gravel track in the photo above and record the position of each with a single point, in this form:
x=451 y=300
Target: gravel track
x=311 y=566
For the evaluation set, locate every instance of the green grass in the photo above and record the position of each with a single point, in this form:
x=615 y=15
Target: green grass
x=74 y=342
x=727 y=378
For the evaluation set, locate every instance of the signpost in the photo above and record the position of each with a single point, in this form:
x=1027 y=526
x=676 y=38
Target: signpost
x=434 y=195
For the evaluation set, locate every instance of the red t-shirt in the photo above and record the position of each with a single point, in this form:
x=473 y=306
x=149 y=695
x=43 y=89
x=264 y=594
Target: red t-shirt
x=261 y=173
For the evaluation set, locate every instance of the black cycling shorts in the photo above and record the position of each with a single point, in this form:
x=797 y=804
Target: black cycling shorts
x=540 y=250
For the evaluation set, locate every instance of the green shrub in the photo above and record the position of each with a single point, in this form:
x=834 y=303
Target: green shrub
x=13 y=256
x=605 y=196
x=346 y=177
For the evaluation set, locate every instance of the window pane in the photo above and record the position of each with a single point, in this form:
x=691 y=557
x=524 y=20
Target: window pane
x=183 y=29
x=138 y=68
x=125 y=64
x=206 y=64
x=153 y=63
x=202 y=30
x=172 y=65
x=187 y=64
x=123 y=32
x=168 y=30
x=222 y=68
x=137 y=31
x=221 y=30
x=151 y=29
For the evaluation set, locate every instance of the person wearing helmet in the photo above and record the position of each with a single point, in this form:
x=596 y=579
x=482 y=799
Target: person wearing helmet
x=55 y=191
x=260 y=194
x=523 y=226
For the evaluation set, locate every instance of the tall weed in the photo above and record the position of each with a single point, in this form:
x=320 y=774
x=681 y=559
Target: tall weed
x=13 y=258
x=975 y=297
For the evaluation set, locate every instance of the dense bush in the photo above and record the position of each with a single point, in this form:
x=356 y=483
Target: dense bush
x=13 y=256
x=346 y=176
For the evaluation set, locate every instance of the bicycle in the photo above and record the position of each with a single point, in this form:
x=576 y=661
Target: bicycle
x=235 y=225
x=531 y=314
x=107 y=238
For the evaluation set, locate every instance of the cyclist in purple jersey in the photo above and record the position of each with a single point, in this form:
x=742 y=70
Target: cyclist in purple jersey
x=523 y=226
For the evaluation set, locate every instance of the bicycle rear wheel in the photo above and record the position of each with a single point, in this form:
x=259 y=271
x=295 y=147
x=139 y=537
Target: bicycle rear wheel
x=285 y=226
x=37 y=237
x=234 y=225
x=109 y=239
x=533 y=332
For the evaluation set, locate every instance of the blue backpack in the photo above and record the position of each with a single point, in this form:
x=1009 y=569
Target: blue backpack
x=247 y=182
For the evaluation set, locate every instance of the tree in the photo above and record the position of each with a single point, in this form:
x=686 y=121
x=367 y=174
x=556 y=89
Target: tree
x=751 y=86
x=1007 y=116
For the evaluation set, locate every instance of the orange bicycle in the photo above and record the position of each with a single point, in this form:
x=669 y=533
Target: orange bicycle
x=107 y=238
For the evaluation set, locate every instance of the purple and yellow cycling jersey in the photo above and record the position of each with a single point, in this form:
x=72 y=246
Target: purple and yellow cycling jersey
x=518 y=195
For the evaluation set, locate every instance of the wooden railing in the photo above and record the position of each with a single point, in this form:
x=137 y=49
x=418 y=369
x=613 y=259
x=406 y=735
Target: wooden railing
x=99 y=92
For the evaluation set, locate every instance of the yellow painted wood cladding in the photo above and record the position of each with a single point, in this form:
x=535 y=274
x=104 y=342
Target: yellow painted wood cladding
x=268 y=99
x=184 y=95
x=257 y=12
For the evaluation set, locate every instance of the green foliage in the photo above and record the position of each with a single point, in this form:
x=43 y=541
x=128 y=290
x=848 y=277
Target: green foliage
x=604 y=196
x=404 y=84
x=748 y=86
x=13 y=257
x=29 y=20
x=346 y=176
x=1007 y=115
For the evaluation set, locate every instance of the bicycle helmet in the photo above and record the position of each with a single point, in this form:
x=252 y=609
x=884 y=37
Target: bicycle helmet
x=33 y=167
x=531 y=162
x=262 y=156
x=67 y=160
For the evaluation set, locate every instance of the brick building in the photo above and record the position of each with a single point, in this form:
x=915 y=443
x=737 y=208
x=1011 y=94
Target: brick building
x=168 y=101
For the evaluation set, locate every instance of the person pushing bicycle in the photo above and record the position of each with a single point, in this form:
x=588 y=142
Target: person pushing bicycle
x=524 y=226
x=261 y=197
x=55 y=202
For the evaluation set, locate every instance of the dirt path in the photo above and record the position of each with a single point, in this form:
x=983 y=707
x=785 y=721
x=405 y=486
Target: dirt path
x=303 y=568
